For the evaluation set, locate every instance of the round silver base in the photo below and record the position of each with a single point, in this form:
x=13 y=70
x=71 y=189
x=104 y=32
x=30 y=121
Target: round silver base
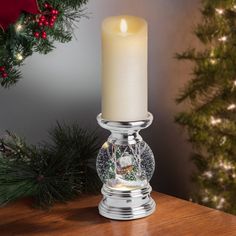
x=126 y=204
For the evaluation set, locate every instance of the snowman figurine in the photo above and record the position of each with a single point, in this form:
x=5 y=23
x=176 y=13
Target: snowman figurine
x=125 y=164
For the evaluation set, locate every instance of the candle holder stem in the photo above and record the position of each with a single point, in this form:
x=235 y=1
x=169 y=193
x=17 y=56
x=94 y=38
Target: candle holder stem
x=125 y=164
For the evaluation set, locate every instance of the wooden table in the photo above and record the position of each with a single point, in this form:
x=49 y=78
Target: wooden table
x=80 y=217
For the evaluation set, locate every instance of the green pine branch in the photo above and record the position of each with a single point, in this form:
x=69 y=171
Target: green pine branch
x=14 y=42
x=55 y=171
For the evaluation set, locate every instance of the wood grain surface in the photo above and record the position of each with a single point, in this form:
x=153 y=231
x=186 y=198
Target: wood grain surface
x=80 y=217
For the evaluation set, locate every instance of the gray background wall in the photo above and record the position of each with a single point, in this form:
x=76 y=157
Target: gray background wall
x=65 y=84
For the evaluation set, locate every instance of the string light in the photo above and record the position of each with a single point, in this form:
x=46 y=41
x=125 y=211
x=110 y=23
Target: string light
x=223 y=140
x=219 y=11
x=230 y=167
x=208 y=174
x=231 y=107
x=19 y=57
x=221 y=203
x=234 y=85
x=226 y=165
x=19 y=27
x=212 y=60
x=223 y=39
x=215 y=121
x=205 y=199
x=215 y=198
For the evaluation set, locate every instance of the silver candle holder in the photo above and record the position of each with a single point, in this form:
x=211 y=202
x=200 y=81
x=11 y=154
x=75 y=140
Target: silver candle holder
x=125 y=164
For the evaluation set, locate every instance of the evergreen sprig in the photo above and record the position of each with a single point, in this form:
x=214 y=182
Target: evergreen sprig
x=55 y=171
x=14 y=42
x=211 y=94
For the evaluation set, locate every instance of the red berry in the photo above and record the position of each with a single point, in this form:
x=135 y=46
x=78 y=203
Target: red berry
x=42 y=18
x=2 y=68
x=40 y=24
x=54 y=17
x=51 y=24
x=44 y=35
x=4 y=75
x=53 y=11
x=56 y=12
x=47 y=5
x=46 y=23
x=36 y=34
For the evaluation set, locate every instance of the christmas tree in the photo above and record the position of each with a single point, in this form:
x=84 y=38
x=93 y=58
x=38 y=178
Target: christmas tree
x=211 y=118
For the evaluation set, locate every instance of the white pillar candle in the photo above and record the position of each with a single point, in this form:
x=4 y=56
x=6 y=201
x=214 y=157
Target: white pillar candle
x=124 y=68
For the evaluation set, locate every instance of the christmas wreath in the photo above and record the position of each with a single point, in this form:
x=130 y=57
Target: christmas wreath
x=29 y=26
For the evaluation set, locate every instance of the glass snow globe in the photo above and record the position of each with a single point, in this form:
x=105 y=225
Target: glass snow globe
x=125 y=164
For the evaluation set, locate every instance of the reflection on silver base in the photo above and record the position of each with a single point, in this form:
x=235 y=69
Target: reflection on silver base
x=126 y=204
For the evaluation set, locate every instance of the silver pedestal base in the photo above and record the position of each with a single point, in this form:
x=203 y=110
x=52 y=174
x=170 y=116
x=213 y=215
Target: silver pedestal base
x=126 y=204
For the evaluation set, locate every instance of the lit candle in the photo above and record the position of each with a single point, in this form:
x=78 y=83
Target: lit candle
x=124 y=68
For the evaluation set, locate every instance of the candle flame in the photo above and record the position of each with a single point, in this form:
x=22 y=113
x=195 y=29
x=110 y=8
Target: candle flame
x=123 y=26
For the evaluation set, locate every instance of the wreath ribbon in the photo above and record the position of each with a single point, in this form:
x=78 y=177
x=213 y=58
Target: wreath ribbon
x=10 y=10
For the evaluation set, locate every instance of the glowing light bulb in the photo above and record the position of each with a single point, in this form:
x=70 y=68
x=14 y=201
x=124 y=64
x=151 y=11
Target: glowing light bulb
x=215 y=121
x=205 y=199
x=223 y=140
x=231 y=107
x=213 y=61
x=225 y=166
x=223 y=39
x=222 y=200
x=220 y=203
x=212 y=55
x=219 y=11
x=220 y=163
x=19 y=57
x=234 y=86
x=214 y=198
x=206 y=191
x=208 y=174
x=19 y=27
x=123 y=26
